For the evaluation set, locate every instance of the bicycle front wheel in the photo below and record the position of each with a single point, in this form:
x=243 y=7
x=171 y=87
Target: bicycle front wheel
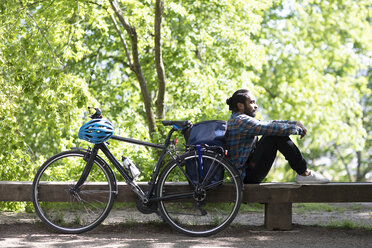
x=202 y=206
x=64 y=208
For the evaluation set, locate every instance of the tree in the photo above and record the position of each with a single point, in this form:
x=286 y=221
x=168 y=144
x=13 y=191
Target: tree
x=364 y=158
x=136 y=65
x=39 y=98
x=315 y=52
x=59 y=57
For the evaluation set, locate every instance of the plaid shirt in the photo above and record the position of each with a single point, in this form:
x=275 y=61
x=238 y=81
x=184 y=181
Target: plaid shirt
x=242 y=131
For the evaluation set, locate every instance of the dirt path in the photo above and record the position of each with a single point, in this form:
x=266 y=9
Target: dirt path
x=35 y=235
x=25 y=230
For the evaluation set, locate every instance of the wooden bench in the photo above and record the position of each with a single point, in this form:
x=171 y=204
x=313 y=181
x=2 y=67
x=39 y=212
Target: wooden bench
x=277 y=197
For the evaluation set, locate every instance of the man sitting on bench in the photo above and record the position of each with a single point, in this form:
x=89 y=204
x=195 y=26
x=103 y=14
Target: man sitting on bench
x=254 y=157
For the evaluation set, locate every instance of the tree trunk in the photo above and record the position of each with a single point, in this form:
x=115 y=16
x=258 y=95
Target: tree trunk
x=136 y=66
x=345 y=164
x=359 y=166
x=160 y=114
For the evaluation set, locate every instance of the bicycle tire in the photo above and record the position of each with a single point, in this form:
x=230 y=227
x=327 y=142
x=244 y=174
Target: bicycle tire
x=67 y=211
x=189 y=213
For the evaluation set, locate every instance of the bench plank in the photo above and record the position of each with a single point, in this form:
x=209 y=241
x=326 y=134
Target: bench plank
x=292 y=192
x=262 y=193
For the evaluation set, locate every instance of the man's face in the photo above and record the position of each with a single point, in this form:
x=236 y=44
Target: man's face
x=250 y=106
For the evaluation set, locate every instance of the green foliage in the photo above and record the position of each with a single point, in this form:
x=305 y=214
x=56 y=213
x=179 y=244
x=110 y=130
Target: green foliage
x=207 y=49
x=315 y=73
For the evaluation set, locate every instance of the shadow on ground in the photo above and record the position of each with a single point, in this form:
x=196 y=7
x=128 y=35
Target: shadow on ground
x=161 y=235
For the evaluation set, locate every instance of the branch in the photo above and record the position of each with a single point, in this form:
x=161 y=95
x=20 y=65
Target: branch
x=122 y=41
x=42 y=33
x=95 y=3
x=344 y=163
x=268 y=91
x=115 y=6
x=137 y=66
x=30 y=4
x=159 y=60
x=93 y=56
x=117 y=59
x=67 y=44
x=19 y=11
x=94 y=65
x=365 y=172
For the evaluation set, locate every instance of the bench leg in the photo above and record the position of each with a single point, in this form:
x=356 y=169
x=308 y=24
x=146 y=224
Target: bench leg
x=278 y=216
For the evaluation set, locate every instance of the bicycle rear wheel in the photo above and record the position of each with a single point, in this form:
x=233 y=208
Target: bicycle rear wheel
x=67 y=210
x=192 y=208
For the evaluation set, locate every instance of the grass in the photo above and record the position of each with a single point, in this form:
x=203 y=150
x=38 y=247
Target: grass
x=303 y=208
x=60 y=219
x=252 y=207
x=299 y=208
x=356 y=207
x=347 y=224
x=129 y=223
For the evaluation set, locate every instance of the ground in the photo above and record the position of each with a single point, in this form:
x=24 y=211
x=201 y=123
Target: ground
x=316 y=225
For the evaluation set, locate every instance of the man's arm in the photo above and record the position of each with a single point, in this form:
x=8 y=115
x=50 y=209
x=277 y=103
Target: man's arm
x=287 y=122
x=253 y=127
x=297 y=123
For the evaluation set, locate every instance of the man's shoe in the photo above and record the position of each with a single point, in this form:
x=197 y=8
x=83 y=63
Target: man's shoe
x=313 y=178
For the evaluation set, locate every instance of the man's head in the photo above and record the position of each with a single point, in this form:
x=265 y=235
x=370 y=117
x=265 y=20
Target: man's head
x=243 y=101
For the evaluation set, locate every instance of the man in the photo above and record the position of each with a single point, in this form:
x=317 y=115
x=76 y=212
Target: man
x=254 y=158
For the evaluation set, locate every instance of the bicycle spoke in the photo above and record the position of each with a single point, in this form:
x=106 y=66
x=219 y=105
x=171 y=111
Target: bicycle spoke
x=82 y=209
x=197 y=214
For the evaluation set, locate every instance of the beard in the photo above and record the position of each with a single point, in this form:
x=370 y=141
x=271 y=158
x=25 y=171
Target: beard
x=250 y=113
x=247 y=111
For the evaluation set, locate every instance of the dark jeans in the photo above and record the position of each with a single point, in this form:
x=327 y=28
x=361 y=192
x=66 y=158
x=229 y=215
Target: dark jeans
x=261 y=159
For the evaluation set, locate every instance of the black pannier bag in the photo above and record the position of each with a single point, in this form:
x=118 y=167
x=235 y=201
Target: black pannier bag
x=211 y=133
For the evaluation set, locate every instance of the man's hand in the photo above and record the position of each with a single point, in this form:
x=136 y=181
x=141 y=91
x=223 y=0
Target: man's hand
x=304 y=130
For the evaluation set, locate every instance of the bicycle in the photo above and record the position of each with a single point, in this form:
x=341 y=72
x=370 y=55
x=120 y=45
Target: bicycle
x=84 y=186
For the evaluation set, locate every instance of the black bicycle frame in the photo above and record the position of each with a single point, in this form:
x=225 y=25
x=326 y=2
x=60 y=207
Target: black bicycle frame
x=103 y=147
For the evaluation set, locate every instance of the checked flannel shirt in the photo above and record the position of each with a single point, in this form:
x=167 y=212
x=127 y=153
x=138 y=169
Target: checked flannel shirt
x=242 y=131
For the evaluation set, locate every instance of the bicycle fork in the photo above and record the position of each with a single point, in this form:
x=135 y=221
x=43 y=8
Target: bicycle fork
x=90 y=160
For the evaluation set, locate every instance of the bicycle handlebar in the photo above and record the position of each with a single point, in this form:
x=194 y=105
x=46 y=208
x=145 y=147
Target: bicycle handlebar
x=178 y=125
x=97 y=114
